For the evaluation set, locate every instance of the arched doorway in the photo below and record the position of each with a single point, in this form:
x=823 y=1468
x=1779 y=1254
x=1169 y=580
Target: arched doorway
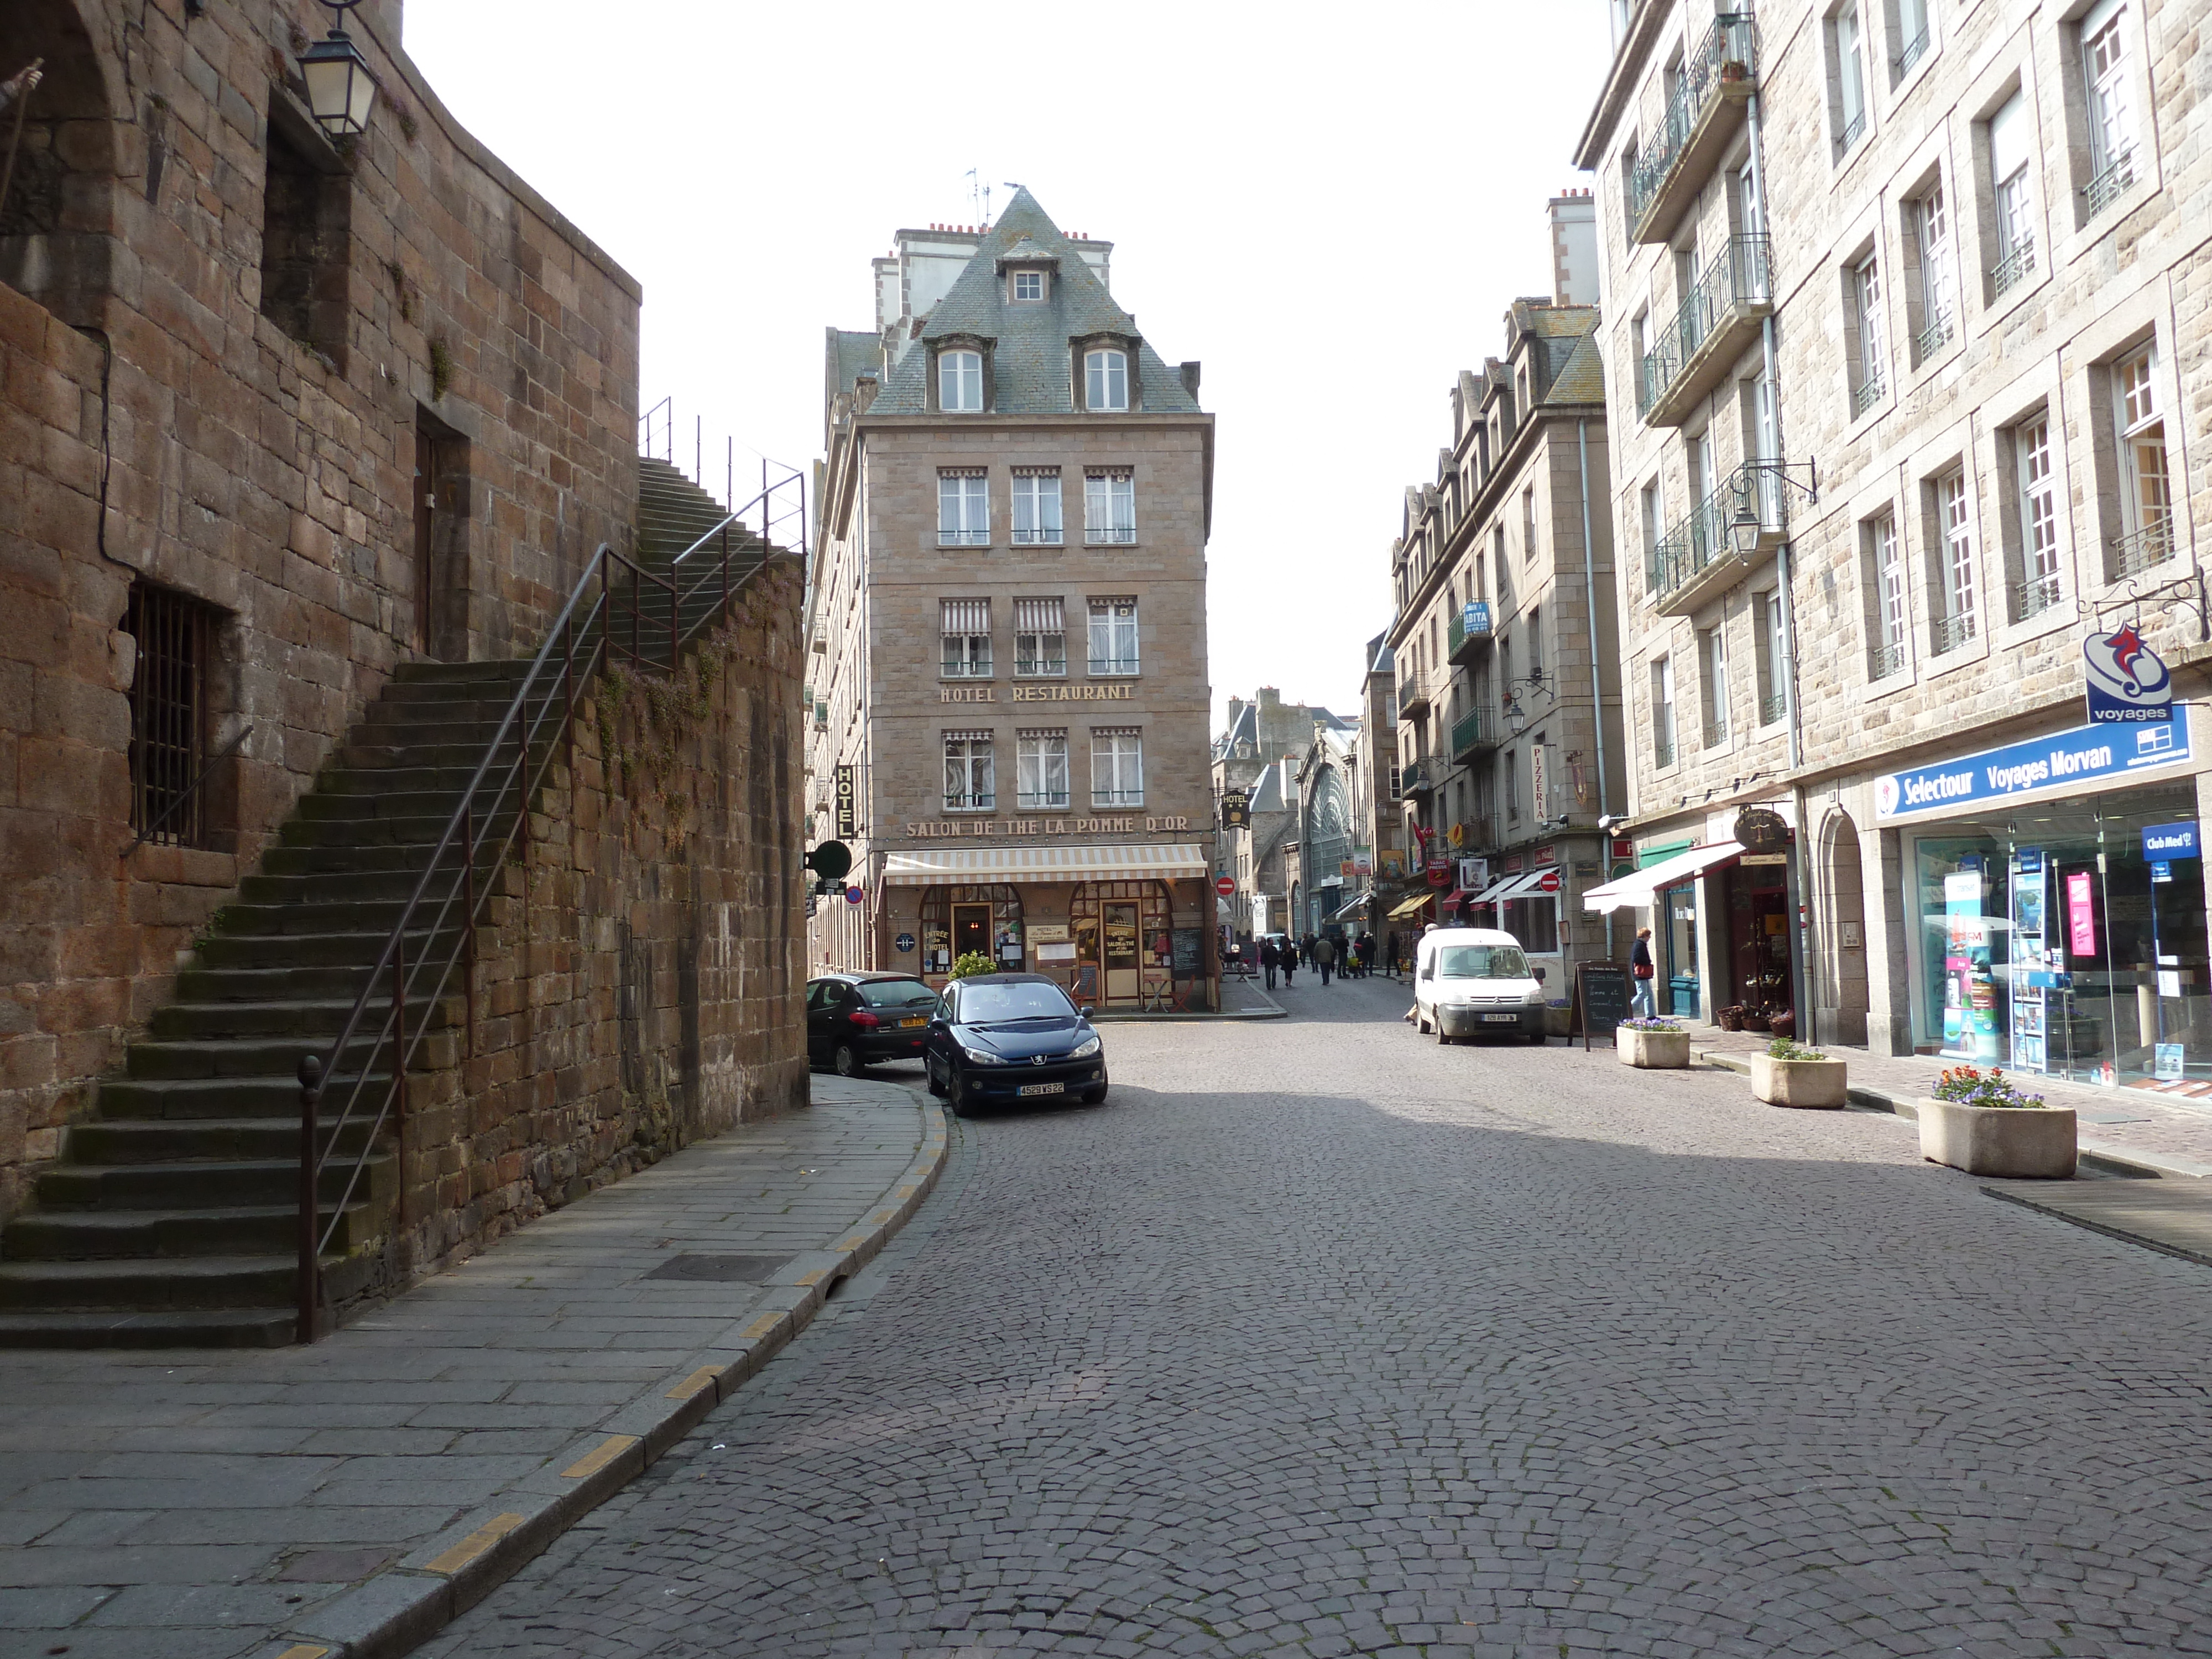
x=1124 y=940
x=1843 y=955
x=986 y=919
x=58 y=215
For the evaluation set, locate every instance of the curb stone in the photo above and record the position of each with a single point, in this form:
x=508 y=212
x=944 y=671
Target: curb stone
x=409 y=1602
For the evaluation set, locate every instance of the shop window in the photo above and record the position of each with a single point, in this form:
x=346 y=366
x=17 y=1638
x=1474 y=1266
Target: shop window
x=970 y=781
x=1117 y=767
x=967 y=639
x=1036 y=506
x=1534 y=921
x=307 y=235
x=1041 y=759
x=1114 y=636
x=1040 y=637
x=172 y=721
x=1110 y=507
x=964 y=508
x=2145 y=483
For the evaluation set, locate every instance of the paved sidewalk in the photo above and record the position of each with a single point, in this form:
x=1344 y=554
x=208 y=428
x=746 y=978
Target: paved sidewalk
x=349 y=1499
x=2155 y=1132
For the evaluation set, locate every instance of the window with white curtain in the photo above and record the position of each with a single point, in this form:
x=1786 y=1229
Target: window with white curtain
x=1110 y=507
x=967 y=631
x=1106 y=380
x=1847 y=73
x=960 y=382
x=970 y=785
x=1662 y=712
x=1654 y=531
x=1939 y=273
x=1113 y=636
x=1117 y=767
x=1865 y=307
x=1712 y=652
x=1040 y=762
x=1036 y=506
x=1040 y=637
x=964 y=508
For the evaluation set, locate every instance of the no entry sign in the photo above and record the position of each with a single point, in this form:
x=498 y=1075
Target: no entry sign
x=1225 y=885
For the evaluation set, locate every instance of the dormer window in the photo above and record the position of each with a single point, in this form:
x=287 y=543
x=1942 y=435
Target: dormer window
x=960 y=382
x=1029 y=285
x=1106 y=380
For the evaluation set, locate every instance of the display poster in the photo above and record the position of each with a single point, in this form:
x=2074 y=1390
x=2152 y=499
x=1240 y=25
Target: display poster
x=2081 y=915
x=2029 y=1000
x=2166 y=1062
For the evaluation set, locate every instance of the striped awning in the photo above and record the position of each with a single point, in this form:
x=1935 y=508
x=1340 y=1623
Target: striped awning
x=1406 y=907
x=958 y=866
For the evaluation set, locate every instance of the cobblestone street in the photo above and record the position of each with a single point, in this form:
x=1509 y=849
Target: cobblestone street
x=1322 y=1339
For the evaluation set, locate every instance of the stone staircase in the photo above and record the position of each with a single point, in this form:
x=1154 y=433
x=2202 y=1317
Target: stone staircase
x=171 y=1217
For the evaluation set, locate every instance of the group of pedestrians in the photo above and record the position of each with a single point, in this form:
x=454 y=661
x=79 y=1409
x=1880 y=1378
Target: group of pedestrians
x=1330 y=956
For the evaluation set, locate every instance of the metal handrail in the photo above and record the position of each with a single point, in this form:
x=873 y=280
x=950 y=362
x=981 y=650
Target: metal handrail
x=1740 y=275
x=189 y=790
x=1732 y=39
x=472 y=829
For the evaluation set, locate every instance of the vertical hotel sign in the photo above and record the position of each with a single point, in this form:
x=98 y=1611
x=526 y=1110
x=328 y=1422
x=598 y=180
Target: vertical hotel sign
x=848 y=816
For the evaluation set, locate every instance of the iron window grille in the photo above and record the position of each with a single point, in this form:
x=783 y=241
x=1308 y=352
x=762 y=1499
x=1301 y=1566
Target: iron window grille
x=1883 y=660
x=170 y=717
x=2036 y=595
x=2018 y=262
x=1868 y=395
x=2109 y=185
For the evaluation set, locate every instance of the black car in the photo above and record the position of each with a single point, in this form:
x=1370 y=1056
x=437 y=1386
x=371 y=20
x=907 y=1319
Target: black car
x=854 y=1020
x=1007 y=1038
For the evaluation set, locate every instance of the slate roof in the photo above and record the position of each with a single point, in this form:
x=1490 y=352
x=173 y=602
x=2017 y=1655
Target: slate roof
x=1031 y=371
x=1581 y=378
x=857 y=353
x=1381 y=659
x=1268 y=793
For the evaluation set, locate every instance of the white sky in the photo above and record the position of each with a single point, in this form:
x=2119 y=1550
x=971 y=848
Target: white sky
x=1330 y=208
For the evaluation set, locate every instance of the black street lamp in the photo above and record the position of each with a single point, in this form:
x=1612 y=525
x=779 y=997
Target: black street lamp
x=340 y=87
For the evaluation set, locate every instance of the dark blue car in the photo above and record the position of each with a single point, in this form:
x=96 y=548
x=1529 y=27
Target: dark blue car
x=1012 y=1039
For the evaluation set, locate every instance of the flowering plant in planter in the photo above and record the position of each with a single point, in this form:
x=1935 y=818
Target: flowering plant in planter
x=971 y=963
x=1971 y=1086
x=1642 y=1025
x=1783 y=1048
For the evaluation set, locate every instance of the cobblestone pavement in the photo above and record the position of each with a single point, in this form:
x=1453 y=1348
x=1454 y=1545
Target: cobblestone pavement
x=1320 y=1338
x=191 y=1504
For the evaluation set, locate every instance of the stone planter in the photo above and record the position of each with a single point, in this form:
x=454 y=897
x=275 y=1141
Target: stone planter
x=1817 y=1082
x=1652 y=1051
x=1559 y=1022
x=2018 y=1142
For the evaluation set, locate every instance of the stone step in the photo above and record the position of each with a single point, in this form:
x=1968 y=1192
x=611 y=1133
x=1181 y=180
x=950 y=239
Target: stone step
x=186 y=1099
x=335 y=887
x=265 y=1056
x=115 y=1235
x=206 y=1281
x=378 y=857
x=105 y=1142
x=265 y=951
x=201 y=1184
x=199 y=1327
x=422 y=831
x=327 y=806
x=290 y=983
x=320 y=1017
x=418 y=673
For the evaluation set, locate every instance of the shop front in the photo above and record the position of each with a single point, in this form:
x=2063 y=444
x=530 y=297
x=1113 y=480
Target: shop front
x=2055 y=908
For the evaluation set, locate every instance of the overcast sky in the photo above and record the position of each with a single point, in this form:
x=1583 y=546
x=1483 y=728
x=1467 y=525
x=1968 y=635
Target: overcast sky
x=1330 y=210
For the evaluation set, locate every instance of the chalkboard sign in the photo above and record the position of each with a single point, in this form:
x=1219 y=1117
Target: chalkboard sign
x=1601 y=998
x=1189 y=950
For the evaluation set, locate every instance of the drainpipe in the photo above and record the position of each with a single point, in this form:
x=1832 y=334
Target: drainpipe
x=1597 y=679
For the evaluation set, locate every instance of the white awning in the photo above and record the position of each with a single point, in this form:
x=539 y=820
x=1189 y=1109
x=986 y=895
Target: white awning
x=1643 y=887
x=1358 y=901
x=1526 y=886
x=957 y=866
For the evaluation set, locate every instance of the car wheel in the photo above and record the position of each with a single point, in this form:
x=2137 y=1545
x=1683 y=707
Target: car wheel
x=929 y=1076
x=845 y=1060
x=1093 y=1096
x=1441 y=1040
x=1420 y=1020
x=956 y=1095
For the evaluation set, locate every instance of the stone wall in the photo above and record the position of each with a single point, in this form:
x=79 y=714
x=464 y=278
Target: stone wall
x=161 y=425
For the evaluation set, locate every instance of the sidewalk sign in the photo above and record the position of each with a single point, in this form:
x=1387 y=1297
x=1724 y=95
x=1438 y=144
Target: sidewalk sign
x=1601 y=999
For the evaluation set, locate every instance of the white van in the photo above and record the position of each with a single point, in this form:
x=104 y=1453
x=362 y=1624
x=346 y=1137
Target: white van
x=1470 y=980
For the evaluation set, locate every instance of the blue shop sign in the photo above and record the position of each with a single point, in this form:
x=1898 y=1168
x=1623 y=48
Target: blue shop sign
x=2065 y=762
x=2163 y=842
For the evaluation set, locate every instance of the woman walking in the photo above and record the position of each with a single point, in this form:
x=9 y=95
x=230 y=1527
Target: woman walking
x=1645 y=973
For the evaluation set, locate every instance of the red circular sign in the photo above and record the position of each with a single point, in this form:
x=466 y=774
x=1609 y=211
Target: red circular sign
x=1225 y=885
x=1548 y=882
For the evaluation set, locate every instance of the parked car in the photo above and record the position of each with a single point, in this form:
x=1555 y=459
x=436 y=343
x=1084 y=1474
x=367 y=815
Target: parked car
x=1004 y=1038
x=855 y=1020
x=1471 y=981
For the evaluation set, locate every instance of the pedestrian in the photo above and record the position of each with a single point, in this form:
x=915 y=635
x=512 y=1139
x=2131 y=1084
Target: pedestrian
x=1365 y=951
x=1645 y=973
x=1269 y=959
x=1290 y=959
x=1325 y=956
x=1390 y=953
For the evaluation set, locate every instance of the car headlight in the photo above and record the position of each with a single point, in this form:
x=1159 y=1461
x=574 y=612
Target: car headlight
x=983 y=1056
x=1085 y=1049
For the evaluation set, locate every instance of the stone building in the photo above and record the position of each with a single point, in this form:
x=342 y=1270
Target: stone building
x=1008 y=609
x=1505 y=645
x=1905 y=304
x=307 y=441
x=1378 y=821
x=1261 y=733
x=1256 y=852
x=1325 y=887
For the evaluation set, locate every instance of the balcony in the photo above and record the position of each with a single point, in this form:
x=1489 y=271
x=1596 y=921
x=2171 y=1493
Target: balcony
x=1469 y=633
x=1472 y=734
x=1717 y=320
x=1699 y=557
x=1417 y=778
x=1415 y=693
x=1717 y=81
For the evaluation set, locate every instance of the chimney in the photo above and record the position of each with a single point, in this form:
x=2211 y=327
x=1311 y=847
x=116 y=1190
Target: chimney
x=865 y=387
x=1236 y=707
x=1189 y=372
x=1574 y=248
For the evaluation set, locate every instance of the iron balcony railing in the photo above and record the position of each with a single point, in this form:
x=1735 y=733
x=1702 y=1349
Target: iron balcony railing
x=1117 y=798
x=2139 y=550
x=1459 y=633
x=1705 y=537
x=2018 y=262
x=1038 y=537
x=1851 y=134
x=1947 y=633
x=1932 y=339
x=1772 y=707
x=1730 y=52
x=1113 y=664
x=1883 y=660
x=2108 y=186
x=963 y=538
x=1121 y=535
x=1739 y=276
x=1038 y=799
x=2035 y=596
x=1914 y=50
x=978 y=801
x=1469 y=731
x=1868 y=395
x=1717 y=733
x=1416 y=777
x=954 y=668
x=1039 y=668
x=1663 y=752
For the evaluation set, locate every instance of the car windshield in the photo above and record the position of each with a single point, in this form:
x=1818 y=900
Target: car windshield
x=1481 y=962
x=896 y=994
x=991 y=1005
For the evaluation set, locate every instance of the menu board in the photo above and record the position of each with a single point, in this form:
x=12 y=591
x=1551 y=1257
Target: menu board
x=1189 y=950
x=1601 y=998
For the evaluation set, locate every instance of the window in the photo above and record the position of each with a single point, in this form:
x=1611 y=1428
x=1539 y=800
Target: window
x=1528 y=524
x=1109 y=508
x=1029 y=285
x=1106 y=380
x=970 y=782
x=1117 y=767
x=1041 y=759
x=306 y=227
x=1954 y=522
x=1912 y=35
x=1654 y=531
x=1939 y=275
x=2111 y=122
x=2038 y=517
x=1113 y=636
x=1847 y=77
x=1040 y=637
x=960 y=382
x=1712 y=654
x=2010 y=152
x=964 y=508
x=170 y=716
x=1865 y=287
x=1036 y=506
x=1512 y=786
x=1770 y=656
x=967 y=639
x=1535 y=642
x=1888 y=653
x=1662 y=712
x=2146 y=491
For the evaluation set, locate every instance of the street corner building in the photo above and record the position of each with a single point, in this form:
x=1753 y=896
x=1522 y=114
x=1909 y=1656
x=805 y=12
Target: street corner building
x=1904 y=304
x=323 y=492
x=1007 y=618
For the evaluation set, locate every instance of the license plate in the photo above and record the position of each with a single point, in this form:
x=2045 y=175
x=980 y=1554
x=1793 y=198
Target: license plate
x=1503 y=1019
x=908 y=1024
x=1042 y=1089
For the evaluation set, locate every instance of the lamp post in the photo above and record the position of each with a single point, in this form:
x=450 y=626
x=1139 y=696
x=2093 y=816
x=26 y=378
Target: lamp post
x=1743 y=528
x=340 y=86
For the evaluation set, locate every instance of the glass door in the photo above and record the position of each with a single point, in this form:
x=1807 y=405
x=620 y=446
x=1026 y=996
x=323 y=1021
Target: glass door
x=1678 y=932
x=1119 y=942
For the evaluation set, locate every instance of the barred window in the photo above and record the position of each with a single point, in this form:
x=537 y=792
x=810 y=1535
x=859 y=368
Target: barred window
x=1036 y=506
x=1110 y=507
x=1117 y=767
x=1040 y=637
x=170 y=716
x=964 y=508
x=969 y=785
x=1042 y=763
x=966 y=627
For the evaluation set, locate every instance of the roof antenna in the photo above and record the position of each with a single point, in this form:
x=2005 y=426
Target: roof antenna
x=979 y=198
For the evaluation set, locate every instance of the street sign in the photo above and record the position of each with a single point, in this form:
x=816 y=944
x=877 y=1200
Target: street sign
x=1548 y=882
x=2127 y=682
x=1225 y=885
x=904 y=942
x=831 y=860
x=854 y=896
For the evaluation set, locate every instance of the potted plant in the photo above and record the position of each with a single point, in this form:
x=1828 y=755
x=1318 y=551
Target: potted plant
x=1735 y=68
x=1729 y=1018
x=1652 y=1045
x=1782 y=1022
x=1756 y=1019
x=1979 y=1122
x=971 y=963
x=1787 y=1074
x=1559 y=1017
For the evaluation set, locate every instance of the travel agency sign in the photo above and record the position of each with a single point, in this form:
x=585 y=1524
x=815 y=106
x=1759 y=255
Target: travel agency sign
x=2083 y=757
x=2127 y=682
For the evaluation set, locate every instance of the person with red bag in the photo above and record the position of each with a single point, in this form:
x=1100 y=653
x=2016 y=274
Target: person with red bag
x=1642 y=968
